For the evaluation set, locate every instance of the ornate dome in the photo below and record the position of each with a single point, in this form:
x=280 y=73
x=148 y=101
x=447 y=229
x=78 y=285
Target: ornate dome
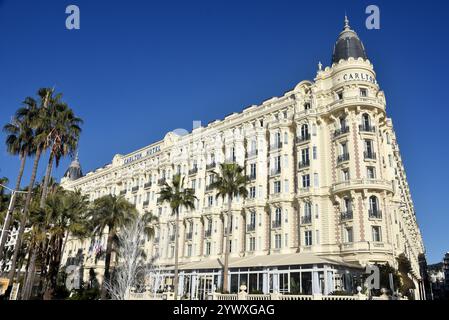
x=348 y=45
x=74 y=171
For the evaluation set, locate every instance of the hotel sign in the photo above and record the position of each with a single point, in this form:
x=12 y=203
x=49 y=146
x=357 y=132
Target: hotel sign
x=359 y=76
x=143 y=154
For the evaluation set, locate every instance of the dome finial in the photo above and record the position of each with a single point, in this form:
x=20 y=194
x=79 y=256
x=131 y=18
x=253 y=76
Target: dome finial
x=347 y=22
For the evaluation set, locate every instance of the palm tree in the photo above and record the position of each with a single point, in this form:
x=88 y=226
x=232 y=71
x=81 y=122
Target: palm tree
x=33 y=113
x=19 y=141
x=3 y=198
x=230 y=183
x=63 y=136
x=110 y=212
x=177 y=196
x=65 y=212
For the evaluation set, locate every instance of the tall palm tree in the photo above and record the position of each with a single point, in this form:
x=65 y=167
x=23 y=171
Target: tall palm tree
x=19 y=141
x=34 y=113
x=177 y=196
x=64 y=132
x=229 y=183
x=110 y=212
x=3 y=198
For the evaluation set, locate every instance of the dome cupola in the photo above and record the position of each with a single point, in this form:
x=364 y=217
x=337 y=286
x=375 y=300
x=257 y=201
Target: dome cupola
x=348 y=45
x=74 y=171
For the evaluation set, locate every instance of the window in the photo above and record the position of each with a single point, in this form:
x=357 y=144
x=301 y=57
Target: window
x=390 y=160
x=306 y=181
x=342 y=122
x=308 y=238
x=306 y=106
x=369 y=146
x=316 y=180
x=377 y=234
x=286 y=190
x=189 y=250
x=366 y=121
x=315 y=153
x=252 y=218
x=286 y=240
x=210 y=201
x=317 y=236
x=193 y=183
x=304 y=131
x=252 y=192
x=374 y=211
x=345 y=175
x=278 y=216
x=305 y=155
x=347 y=204
x=277 y=241
x=340 y=95
x=307 y=209
x=363 y=92
x=285 y=137
x=277 y=164
x=277 y=186
x=252 y=244
x=371 y=173
x=344 y=148
x=349 y=234
x=277 y=139
x=207 y=248
x=253 y=171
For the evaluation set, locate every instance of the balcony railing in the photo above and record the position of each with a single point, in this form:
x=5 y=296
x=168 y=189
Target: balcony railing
x=303 y=138
x=276 y=146
x=275 y=171
x=161 y=181
x=193 y=171
x=211 y=165
x=147 y=185
x=306 y=219
x=369 y=155
x=375 y=214
x=276 y=224
x=135 y=189
x=207 y=233
x=343 y=157
x=304 y=164
x=367 y=128
x=252 y=153
x=189 y=236
x=250 y=227
x=341 y=131
x=346 y=215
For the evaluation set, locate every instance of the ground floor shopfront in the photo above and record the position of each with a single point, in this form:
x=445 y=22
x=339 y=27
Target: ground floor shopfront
x=286 y=274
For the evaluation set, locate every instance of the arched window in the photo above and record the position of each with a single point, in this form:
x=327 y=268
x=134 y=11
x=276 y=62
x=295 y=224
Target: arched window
x=373 y=205
x=304 y=131
x=366 y=121
x=278 y=215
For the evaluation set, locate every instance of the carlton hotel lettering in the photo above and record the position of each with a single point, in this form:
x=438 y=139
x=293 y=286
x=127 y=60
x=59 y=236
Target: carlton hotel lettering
x=139 y=156
x=327 y=190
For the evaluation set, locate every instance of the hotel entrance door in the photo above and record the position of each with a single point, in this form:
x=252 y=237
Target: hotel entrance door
x=205 y=287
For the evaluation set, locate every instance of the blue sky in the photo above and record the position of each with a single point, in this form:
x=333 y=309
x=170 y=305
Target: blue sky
x=137 y=69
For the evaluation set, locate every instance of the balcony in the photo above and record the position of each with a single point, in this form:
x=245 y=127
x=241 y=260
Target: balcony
x=276 y=224
x=367 y=128
x=341 y=131
x=252 y=153
x=352 y=184
x=146 y=203
x=375 y=214
x=369 y=155
x=343 y=157
x=251 y=227
x=275 y=171
x=346 y=215
x=306 y=219
x=207 y=233
x=276 y=146
x=303 y=138
x=147 y=185
x=211 y=165
x=189 y=236
x=193 y=171
x=304 y=164
x=135 y=189
x=123 y=192
x=161 y=181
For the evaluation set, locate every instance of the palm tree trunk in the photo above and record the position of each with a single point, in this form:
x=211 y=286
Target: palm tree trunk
x=176 y=279
x=29 y=281
x=46 y=181
x=226 y=257
x=52 y=276
x=24 y=217
x=12 y=204
x=107 y=263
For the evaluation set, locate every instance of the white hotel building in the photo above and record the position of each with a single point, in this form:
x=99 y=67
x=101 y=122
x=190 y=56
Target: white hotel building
x=328 y=193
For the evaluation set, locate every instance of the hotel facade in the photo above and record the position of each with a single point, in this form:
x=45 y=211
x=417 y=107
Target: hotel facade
x=327 y=191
